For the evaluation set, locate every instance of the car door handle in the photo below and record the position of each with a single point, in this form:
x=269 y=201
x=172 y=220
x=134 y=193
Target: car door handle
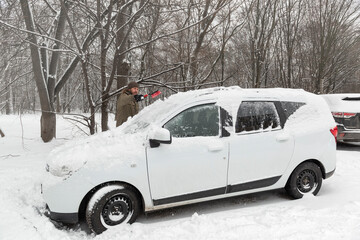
x=282 y=137
x=215 y=147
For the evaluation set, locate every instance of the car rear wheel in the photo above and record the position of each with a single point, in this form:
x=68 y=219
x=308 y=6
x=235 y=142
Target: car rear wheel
x=305 y=179
x=110 y=206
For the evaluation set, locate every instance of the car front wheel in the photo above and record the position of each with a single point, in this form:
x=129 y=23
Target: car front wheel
x=110 y=206
x=305 y=179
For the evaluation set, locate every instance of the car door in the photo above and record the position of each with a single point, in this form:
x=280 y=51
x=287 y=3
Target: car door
x=260 y=150
x=194 y=165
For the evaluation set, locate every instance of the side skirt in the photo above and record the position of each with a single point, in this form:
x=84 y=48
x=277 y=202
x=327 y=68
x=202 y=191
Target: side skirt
x=218 y=191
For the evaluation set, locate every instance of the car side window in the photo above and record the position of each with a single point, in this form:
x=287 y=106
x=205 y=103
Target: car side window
x=291 y=107
x=253 y=116
x=202 y=120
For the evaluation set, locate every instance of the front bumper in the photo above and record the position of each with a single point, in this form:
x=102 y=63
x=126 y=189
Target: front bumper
x=348 y=135
x=64 y=197
x=67 y=218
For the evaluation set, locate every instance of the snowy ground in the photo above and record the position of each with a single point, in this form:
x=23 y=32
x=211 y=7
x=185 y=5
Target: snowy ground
x=333 y=214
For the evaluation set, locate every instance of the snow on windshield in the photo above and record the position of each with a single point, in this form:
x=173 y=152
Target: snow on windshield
x=154 y=113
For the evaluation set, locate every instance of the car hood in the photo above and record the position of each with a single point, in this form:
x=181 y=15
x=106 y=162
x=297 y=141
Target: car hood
x=104 y=150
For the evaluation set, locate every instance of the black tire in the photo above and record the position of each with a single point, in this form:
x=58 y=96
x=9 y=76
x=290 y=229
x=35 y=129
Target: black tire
x=111 y=205
x=305 y=179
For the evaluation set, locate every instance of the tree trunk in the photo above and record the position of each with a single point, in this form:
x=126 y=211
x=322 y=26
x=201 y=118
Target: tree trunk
x=122 y=68
x=48 y=126
x=8 y=101
x=103 y=37
x=89 y=98
x=48 y=119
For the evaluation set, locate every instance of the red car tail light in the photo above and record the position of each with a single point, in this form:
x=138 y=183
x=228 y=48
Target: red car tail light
x=337 y=114
x=334 y=132
x=343 y=114
x=349 y=115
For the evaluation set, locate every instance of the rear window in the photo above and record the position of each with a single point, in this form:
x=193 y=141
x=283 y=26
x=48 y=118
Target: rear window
x=351 y=99
x=291 y=107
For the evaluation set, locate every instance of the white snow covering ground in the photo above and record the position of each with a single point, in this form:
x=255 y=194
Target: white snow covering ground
x=333 y=214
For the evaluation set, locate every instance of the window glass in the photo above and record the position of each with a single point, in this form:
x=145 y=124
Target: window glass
x=253 y=116
x=200 y=120
x=226 y=123
x=291 y=107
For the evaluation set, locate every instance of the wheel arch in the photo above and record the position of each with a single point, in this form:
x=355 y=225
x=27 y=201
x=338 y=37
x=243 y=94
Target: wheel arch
x=317 y=162
x=86 y=199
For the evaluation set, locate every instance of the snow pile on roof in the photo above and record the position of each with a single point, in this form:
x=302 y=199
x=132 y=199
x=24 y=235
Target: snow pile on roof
x=343 y=102
x=234 y=95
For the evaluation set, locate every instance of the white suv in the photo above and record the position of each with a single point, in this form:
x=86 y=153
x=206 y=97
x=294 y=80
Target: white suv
x=195 y=146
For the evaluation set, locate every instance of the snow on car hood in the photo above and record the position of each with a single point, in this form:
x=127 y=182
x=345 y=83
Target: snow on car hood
x=123 y=145
x=102 y=150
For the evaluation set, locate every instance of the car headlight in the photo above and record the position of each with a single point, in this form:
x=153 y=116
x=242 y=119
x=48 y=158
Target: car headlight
x=62 y=171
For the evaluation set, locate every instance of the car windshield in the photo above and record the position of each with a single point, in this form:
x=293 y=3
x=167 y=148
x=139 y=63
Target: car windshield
x=136 y=126
x=151 y=114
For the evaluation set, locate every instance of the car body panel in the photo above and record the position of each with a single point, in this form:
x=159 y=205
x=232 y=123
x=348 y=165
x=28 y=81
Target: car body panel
x=259 y=155
x=175 y=169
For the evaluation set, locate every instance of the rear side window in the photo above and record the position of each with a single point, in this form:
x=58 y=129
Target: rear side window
x=253 y=116
x=290 y=107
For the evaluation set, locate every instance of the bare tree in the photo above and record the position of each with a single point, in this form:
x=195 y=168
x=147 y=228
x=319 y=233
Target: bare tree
x=256 y=40
x=331 y=35
x=290 y=15
x=45 y=83
x=169 y=44
x=203 y=29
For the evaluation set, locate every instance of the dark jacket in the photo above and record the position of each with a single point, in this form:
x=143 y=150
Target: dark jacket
x=126 y=107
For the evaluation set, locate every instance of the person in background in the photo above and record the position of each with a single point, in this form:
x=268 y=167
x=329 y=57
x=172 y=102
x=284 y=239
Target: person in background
x=127 y=103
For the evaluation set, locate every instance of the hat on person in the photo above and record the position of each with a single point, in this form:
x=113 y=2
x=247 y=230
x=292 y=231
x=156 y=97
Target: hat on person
x=132 y=85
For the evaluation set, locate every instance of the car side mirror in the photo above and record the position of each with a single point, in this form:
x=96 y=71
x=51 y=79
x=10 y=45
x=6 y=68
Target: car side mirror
x=159 y=135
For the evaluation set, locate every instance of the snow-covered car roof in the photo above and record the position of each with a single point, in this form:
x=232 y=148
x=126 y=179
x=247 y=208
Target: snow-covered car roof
x=226 y=97
x=344 y=102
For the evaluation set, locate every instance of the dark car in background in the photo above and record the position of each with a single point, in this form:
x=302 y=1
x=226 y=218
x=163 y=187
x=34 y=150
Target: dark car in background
x=345 y=109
